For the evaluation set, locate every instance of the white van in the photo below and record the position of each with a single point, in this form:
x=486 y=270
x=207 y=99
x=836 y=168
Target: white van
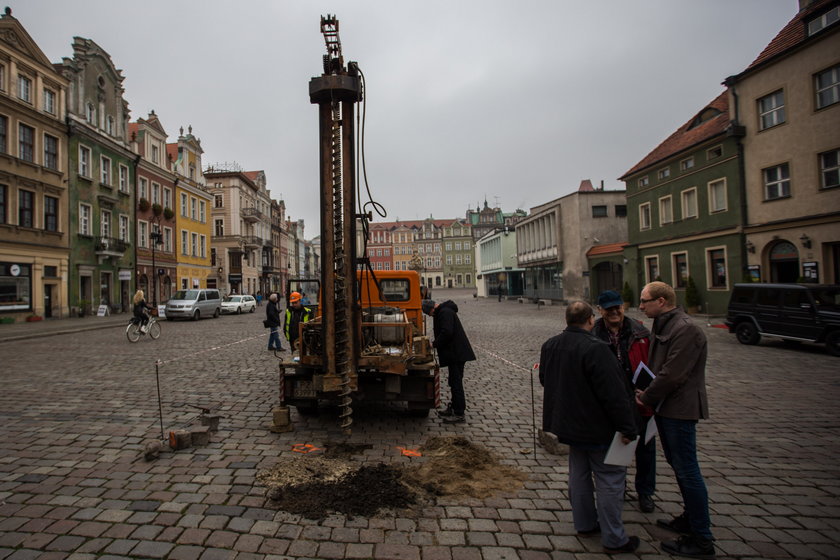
x=194 y=304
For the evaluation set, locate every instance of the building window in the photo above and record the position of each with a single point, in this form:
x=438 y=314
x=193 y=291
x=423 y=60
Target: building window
x=687 y=164
x=469 y=279
x=689 y=203
x=620 y=210
x=716 y=259
x=599 y=211
x=124 y=228
x=466 y=245
x=644 y=181
x=830 y=168
x=90 y=113
x=680 y=270
x=776 y=182
x=50 y=152
x=155 y=193
x=652 y=268
x=24 y=88
x=717 y=196
x=50 y=213
x=202 y=213
x=644 y=216
x=714 y=153
x=104 y=223
x=26 y=143
x=4 y=133
x=219 y=201
x=823 y=20
x=771 y=110
x=167 y=239
x=17 y=288
x=105 y=170
x=467 y=259
x=49 y=101
x=192 y=208
x=183 y=204
x=142 y=234
x=155 y=154
x=448 y=245
x=84 y=219
x=167 y=197
x=203 y=246
x=84 y=162
x=184 y=247
x=664 y=173
x=109 y=125
x=194 y=245
x=666 y=210
x=458 y=259
x=4 y=192
x=448 y=259
x=124 y=178
x=827 y=85
x=26 y=208
x=2 y=77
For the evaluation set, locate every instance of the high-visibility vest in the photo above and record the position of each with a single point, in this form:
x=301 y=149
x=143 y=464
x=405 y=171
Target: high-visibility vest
x=307 y=315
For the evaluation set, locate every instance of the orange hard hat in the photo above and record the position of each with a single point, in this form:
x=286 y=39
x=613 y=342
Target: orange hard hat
x=294 y=296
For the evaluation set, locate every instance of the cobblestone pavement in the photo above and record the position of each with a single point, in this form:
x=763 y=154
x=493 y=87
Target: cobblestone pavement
x=77 y=410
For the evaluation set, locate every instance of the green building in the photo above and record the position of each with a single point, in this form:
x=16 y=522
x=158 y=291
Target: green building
x=685 y=211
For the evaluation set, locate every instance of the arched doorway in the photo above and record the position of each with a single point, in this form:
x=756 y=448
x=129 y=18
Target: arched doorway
x=784 y=262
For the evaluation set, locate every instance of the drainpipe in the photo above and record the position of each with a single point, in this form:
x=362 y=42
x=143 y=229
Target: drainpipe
x=738 y=131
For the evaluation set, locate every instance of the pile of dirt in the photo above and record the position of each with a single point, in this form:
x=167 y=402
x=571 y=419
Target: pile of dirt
x=315 y=485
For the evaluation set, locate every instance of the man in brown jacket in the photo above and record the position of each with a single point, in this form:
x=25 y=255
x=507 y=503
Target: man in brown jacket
x=678 y=394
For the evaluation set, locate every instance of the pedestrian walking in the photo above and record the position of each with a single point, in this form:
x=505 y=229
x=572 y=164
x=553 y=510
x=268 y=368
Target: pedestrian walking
x=678 y=393
x=296 y=314
x=454 y=351
x=272 y=320
x=629 y=341
x=587 y=399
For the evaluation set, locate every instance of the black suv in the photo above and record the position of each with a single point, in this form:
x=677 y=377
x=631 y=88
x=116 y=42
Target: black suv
x=797 y=312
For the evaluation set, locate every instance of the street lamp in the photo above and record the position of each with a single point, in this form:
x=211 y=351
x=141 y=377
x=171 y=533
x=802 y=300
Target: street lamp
x=156 y=238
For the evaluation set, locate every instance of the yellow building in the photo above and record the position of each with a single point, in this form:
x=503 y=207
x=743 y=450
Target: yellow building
x=192 y=213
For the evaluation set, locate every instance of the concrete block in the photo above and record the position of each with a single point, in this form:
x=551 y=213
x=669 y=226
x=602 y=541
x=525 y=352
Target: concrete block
x=200 y=435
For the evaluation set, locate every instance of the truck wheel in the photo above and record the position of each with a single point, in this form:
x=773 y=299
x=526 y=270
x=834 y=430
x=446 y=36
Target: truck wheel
x=832 y=343
x=418 y=412
x=747 y=333
x=310 y=410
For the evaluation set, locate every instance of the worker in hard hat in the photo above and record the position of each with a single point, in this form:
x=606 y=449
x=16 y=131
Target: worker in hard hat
x=296 y=313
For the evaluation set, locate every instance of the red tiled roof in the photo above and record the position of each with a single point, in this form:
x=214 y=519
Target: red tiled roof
x=172 y=151
x=606 y=249
x=586 y=186
x=251 y=174
x=686 y=136
x=133 y=127
x=791 y=35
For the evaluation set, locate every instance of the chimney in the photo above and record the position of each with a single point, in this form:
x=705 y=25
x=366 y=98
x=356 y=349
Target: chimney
x=602 y=184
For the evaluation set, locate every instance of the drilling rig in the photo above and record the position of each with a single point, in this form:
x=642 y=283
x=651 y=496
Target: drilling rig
x=367 y=342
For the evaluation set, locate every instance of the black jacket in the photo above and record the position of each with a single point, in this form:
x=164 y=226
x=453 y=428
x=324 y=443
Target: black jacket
x=451 y=341
x=272 y=314
x=587 y=395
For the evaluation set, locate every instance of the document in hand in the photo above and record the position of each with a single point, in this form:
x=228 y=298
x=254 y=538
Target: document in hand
x=642 y=377
x=619 y=453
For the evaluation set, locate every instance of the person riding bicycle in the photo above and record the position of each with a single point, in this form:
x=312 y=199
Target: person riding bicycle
x=141 y=309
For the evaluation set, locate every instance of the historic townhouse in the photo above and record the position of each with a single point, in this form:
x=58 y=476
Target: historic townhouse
x=402 y=238
x=192 y=213
x=262 y=231
x=552 y=242
x=496 y=264
x=788 y=104
x=380 y=246
x=279 y=248
x=101 y=181
x=458 y=266
x=34 y=227
x=156 y=227
x=685 y=210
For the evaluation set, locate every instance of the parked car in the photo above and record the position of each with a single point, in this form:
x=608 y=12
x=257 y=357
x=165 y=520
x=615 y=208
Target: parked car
x=795 y=312
x=238 y=304
x=194 y=304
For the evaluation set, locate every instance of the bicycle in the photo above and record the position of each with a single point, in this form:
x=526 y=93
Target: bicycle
x=133 y=332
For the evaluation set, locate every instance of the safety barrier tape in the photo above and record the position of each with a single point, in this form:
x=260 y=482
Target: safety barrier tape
x=206 y=350
x=505 y=360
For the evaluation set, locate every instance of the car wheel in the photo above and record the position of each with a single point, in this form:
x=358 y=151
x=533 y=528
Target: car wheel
x=239 y=310
x=253 y=309
x=832 y=343
x=197 y=315
x=216 y=313
x=747 y=333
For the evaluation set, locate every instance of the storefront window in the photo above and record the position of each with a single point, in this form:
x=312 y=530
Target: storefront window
x=15 y=286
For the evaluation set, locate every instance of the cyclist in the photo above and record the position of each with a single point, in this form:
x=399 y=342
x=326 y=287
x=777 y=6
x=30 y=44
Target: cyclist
x=141 y=309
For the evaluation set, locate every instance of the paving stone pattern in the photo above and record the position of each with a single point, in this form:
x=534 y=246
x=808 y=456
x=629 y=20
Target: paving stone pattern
x=77 y=410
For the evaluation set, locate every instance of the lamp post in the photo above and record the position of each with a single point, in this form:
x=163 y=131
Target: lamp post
x=156 y=238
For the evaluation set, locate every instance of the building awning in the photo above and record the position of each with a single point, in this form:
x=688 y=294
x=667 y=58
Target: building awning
x=607 y=249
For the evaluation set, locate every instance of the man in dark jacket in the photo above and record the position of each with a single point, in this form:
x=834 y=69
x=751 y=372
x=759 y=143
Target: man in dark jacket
x=454 y=351
x=587 y=400
x=678 y=359
x=629 y=340
x=272 y=317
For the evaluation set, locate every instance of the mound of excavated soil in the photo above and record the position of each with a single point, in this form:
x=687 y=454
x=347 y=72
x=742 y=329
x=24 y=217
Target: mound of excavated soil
x=315 y=485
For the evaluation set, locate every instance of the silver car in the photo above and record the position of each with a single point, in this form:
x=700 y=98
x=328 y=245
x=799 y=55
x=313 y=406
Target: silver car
x=239 y=304
x=194 y=304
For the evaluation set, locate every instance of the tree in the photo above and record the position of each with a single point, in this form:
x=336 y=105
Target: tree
x=692 y=294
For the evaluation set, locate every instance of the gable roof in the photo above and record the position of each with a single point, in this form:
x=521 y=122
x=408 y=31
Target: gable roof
x=15 y=36
x=690 y=134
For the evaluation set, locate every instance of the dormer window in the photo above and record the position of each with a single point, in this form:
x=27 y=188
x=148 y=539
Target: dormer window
x=823 y=20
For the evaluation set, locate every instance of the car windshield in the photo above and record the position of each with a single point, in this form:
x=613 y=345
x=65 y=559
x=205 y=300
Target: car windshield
x=827 y=298
x=231 y=298
x=186 y=294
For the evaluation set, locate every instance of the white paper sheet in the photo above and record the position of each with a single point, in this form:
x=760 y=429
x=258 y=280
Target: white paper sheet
x=651 y=430
x=647 y=376
x=619 y=453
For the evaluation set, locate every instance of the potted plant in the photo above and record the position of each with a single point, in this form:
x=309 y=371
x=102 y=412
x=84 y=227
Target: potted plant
x=168 y=213
x=627 y=295
x=84 y=307
x=692 y=296
x=143 y=205
x=157 y=209
x=32 y=318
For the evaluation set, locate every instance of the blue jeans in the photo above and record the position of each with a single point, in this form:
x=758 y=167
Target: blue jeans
x=679 y=443
x=274 y=339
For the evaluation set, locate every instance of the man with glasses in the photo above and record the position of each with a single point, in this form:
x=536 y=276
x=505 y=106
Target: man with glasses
x=629 y=340
x=678 y=394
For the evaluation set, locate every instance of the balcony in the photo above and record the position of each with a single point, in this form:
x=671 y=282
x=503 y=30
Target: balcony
x=109 y=247
x=251 y=242
x=251 y=215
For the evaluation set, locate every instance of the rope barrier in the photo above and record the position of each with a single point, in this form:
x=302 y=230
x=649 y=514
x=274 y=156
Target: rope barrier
x=206 y=350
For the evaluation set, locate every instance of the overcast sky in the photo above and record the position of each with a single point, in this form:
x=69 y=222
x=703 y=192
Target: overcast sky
x=467 y=100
